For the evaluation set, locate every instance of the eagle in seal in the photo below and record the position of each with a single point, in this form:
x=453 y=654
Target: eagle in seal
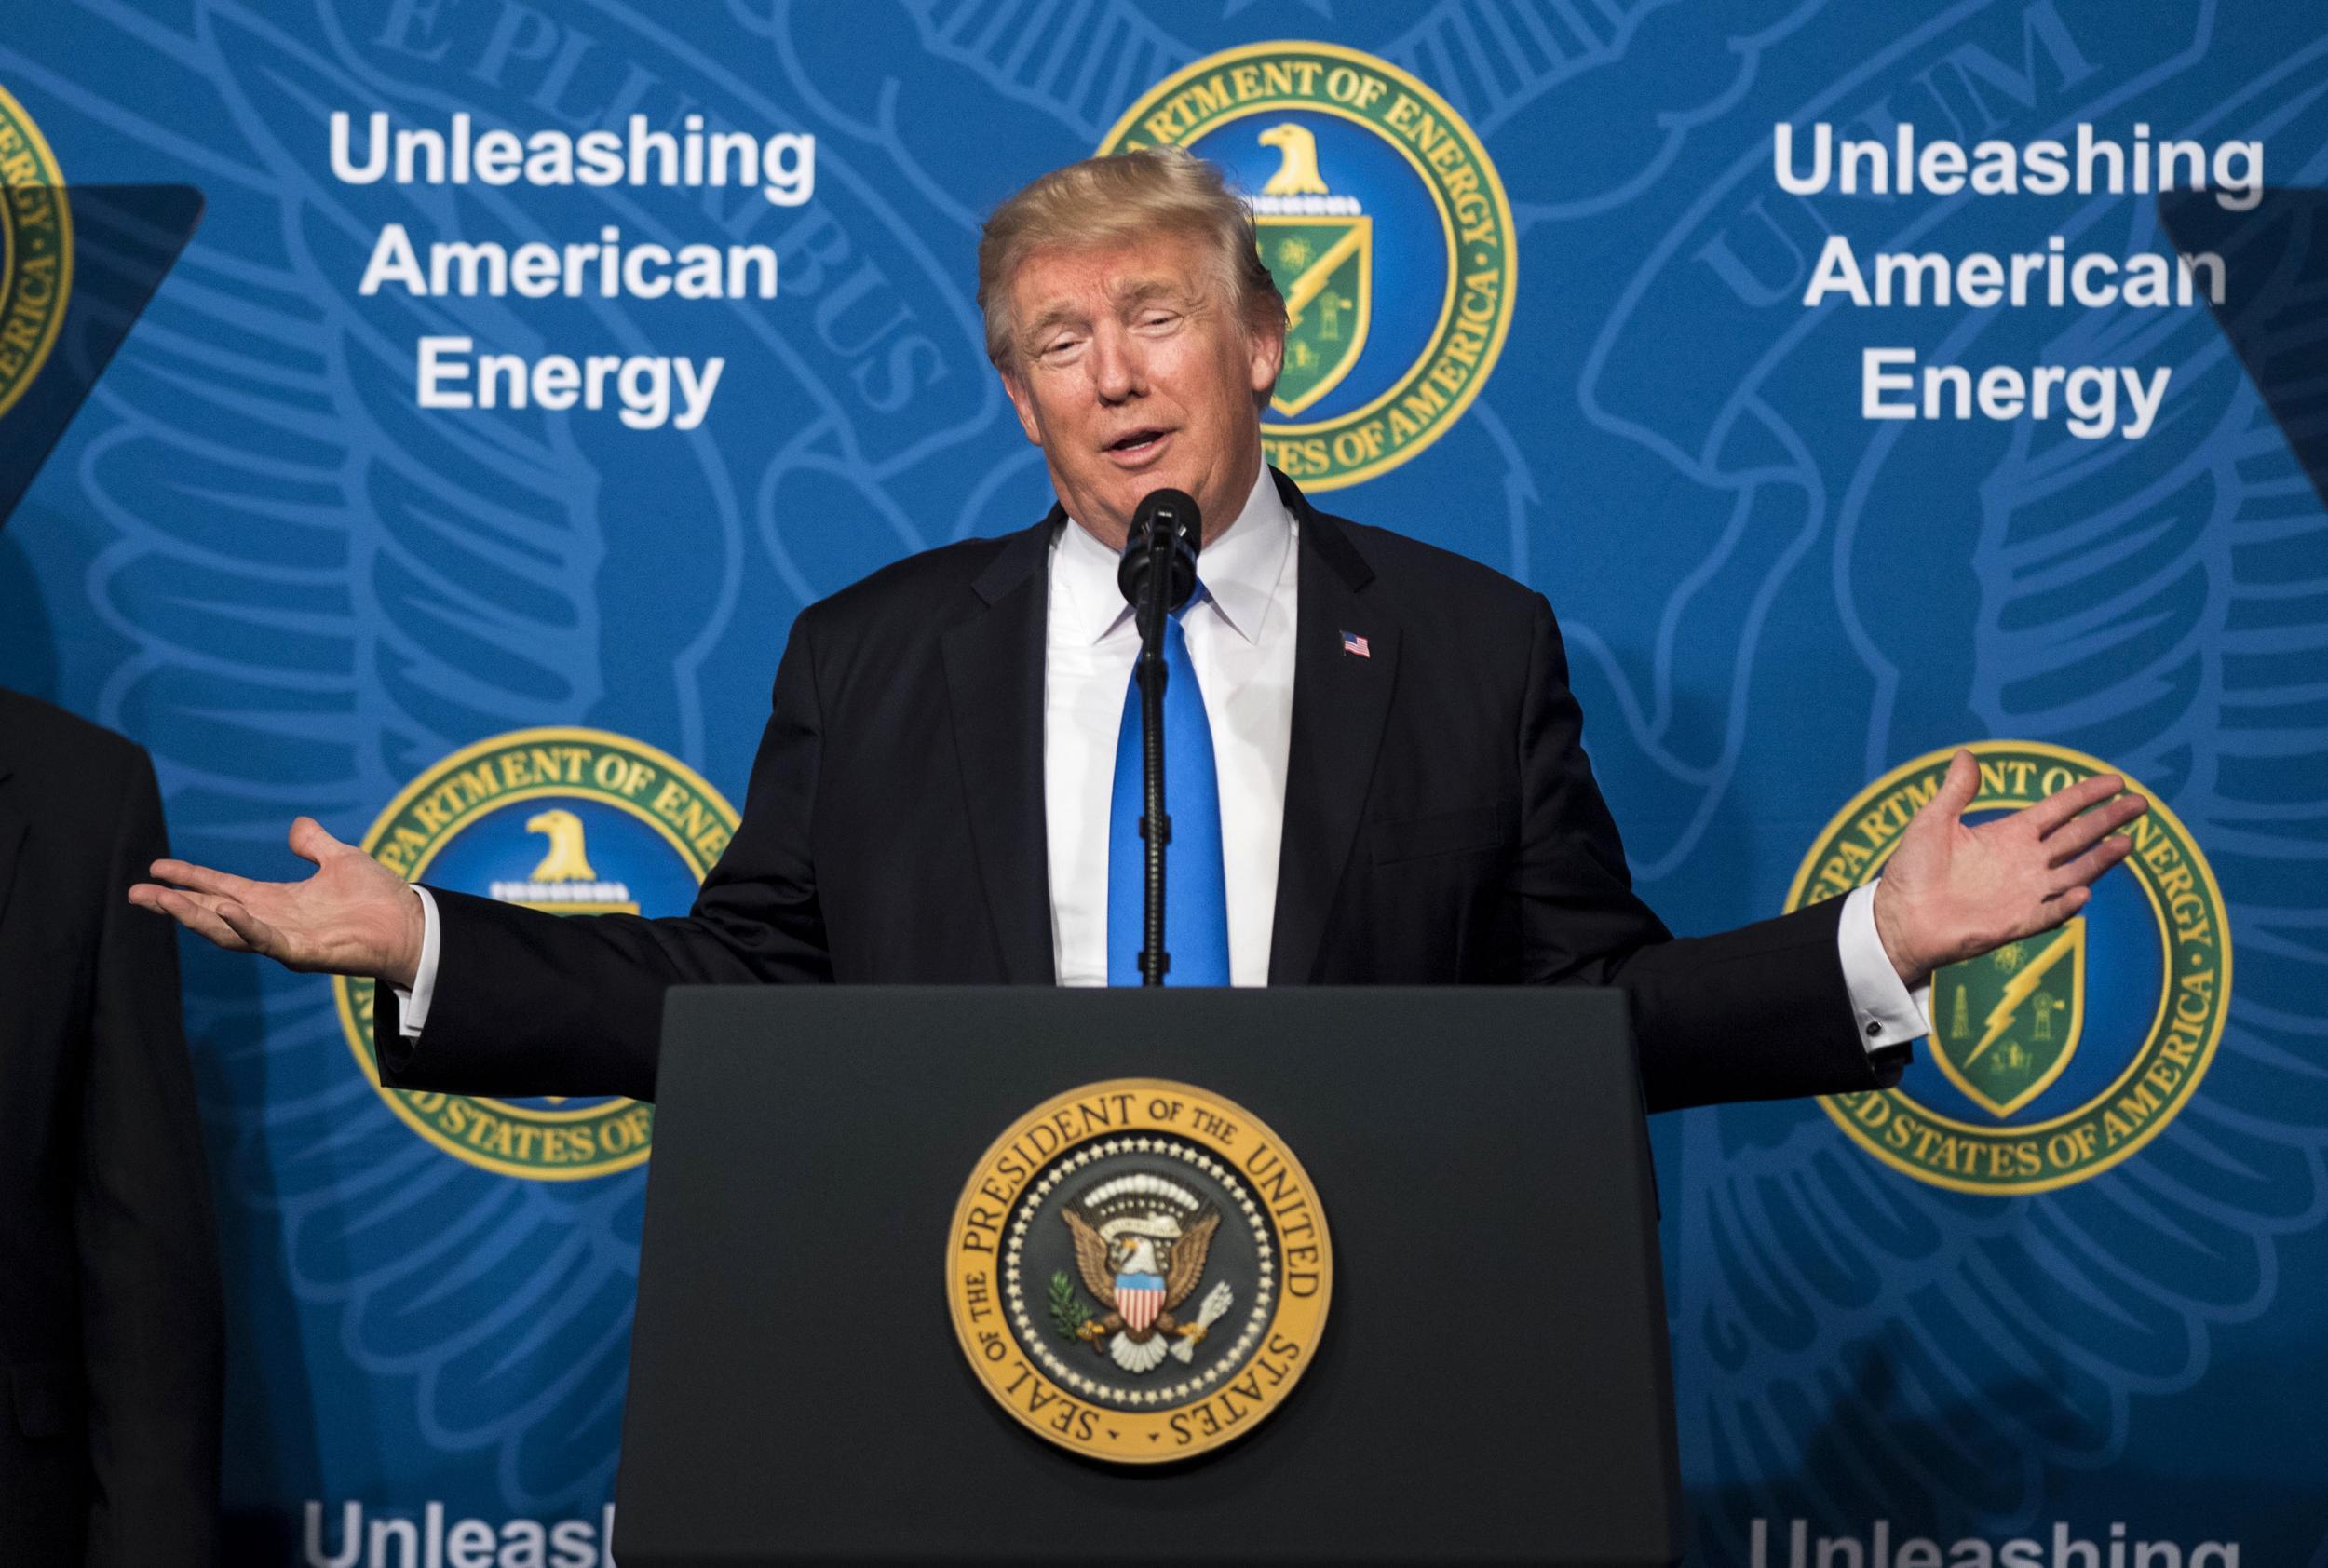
x=1140 y=1260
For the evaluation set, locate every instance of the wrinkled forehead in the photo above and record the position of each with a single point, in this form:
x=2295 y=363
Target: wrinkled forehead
x=1078 y=282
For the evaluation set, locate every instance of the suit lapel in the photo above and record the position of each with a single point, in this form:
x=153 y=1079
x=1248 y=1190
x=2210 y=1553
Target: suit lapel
x=12 y=829
x=1340 y=703
x=995 y=687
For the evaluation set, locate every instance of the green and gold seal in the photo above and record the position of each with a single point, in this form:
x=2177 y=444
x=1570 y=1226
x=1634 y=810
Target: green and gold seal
x=1386 y=227
x=573 y=822
x=1138 y=1271
x=2053 y=1058
x=35 y=250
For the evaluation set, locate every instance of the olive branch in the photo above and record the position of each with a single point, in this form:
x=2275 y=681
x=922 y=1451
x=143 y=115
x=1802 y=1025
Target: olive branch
x=1067 y=1312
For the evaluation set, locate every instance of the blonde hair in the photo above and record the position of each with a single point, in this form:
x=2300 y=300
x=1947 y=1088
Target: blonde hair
x=1118 y=200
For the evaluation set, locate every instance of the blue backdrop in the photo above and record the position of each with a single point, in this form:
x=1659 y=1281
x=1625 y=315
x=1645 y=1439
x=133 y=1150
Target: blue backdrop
x=258 y=553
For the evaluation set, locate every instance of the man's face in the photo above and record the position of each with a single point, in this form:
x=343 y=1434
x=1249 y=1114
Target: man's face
x=1133 y=372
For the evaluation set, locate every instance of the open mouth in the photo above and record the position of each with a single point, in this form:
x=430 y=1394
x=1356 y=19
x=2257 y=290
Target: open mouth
x=1135 y=445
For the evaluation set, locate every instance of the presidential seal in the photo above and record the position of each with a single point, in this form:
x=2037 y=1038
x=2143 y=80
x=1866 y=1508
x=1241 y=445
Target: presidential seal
x=1138 y=1271
x=1386 y=227
x=570 y=821
x=2052 y=1058
x=35 y=250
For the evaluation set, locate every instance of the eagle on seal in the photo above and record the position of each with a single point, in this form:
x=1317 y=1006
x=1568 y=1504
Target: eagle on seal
x=1142 y=1265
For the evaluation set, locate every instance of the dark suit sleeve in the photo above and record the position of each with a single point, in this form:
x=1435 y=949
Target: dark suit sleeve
x=151 y=1318
x=1758 y=1013
x=527 y=1002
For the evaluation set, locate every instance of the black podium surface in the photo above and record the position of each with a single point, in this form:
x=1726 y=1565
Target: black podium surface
x=1490 y=1384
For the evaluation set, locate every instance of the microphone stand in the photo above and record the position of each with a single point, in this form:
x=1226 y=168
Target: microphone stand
x=1155 y=825
x=1157 y=574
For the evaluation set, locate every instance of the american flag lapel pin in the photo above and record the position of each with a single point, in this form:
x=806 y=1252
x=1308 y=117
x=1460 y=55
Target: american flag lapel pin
x=1355 y=645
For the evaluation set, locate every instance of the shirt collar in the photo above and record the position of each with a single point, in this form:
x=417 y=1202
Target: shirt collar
x=1238 y=571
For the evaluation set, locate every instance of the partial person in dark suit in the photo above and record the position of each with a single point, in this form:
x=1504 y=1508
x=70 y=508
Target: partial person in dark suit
x=110 y=1316
x=1402 y=792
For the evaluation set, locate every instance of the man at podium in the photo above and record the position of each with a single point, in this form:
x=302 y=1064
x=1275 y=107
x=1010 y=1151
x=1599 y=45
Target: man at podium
x=1388 y=785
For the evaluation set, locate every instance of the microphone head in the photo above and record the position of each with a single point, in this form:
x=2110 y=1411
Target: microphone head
x=1175 y=510
x=1165 y=530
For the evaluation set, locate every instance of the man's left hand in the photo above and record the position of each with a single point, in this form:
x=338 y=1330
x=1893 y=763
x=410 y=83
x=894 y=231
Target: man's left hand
x=1952 y=892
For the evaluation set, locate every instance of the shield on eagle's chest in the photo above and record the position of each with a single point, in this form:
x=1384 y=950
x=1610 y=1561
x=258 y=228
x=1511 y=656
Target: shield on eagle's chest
x=1323 y=266
x=2004 y=1024
x=1139 y=1297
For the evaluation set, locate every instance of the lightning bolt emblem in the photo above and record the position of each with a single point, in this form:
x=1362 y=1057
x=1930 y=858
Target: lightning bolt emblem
x=2017 y=990
x=1312 y=282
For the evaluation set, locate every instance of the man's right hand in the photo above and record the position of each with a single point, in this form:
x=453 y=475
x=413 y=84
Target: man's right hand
x=353 y=916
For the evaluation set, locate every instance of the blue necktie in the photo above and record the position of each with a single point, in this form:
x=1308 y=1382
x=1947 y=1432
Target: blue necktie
x=1196 y=877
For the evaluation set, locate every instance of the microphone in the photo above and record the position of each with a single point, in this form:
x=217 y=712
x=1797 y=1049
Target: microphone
x=1157 y=574
x=1166 y=529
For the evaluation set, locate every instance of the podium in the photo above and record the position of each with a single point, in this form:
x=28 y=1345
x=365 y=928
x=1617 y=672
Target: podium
x=1489 y=1383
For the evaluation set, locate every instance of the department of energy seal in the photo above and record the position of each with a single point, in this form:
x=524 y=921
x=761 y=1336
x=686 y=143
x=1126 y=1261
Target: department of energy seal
x=2053 y=1058
x=571 y=821
x=1138 y=1271
x=1387 y=230
x=35 y=250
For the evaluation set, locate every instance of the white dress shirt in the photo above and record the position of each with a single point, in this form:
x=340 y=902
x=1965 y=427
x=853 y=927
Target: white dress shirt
x=1240 y=630
x=1240 y=642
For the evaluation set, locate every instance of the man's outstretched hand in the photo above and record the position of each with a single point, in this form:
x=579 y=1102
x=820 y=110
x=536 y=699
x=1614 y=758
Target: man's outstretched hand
x=353 y=916
x=1952 y=892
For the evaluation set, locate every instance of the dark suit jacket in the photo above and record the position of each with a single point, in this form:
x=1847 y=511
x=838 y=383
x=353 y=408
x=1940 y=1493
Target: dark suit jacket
x=1441 y=826
x=110 y=1322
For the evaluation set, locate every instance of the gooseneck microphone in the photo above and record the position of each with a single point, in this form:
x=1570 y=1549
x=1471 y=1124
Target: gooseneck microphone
x=1158 y=574
x=1166 y=528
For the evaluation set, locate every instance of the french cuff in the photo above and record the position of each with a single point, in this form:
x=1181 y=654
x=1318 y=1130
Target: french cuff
x=1890 y=1016
x=412 y=1006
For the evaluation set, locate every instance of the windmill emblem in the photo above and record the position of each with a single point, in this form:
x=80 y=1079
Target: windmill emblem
x=1320 y=248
